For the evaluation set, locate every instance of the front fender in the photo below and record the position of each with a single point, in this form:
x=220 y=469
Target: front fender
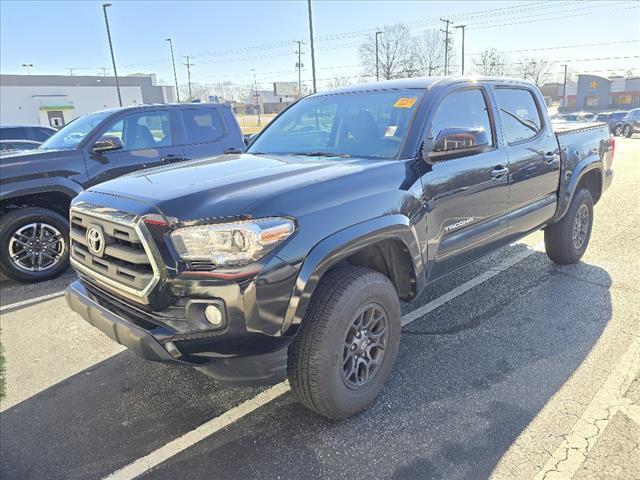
x=40 y=185
x=341 y=245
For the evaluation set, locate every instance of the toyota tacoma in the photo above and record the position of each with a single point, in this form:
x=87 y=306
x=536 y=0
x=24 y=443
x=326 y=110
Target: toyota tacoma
x=291 y=259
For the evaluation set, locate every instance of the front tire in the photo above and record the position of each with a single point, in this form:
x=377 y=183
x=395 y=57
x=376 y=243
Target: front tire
x=617 y=131
x=566 y=241
x=347 y=344
x=34 y=244
x=626 y=131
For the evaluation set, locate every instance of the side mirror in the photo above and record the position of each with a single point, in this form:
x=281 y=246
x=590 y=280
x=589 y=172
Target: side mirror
x=107 y=144
x=248 y=138
x=455 y=142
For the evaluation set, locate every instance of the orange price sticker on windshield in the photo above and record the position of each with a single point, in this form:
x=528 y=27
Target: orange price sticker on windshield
x=405 y=102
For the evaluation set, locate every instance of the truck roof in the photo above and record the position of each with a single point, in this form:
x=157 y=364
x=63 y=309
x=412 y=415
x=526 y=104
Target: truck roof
x=422 y=83
x=164 y=105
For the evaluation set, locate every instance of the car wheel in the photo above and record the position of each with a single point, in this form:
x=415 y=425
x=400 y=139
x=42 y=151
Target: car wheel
x=34 y=244
x=347 y=343
x=626 y=131
x=617 y=131
x=567 y=240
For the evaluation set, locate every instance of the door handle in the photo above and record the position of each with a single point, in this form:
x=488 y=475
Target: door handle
x=232 y=150
x=499 y=172
x=550 y=157
x=171 y=157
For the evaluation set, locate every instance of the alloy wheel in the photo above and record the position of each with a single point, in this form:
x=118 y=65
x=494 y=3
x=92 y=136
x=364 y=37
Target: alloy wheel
x=580 y=227
x=36 y=247
x=365 y=345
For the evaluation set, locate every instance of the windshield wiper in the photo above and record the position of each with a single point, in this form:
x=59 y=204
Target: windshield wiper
x=323 y=154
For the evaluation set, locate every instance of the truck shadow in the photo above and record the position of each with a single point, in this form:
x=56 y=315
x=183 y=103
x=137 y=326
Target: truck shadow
x=469 y=378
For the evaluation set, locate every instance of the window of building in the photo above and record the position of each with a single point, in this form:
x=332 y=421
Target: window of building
x=520 y=116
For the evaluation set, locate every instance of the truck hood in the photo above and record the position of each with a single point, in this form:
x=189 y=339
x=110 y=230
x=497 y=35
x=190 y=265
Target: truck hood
x=230 y=186
x=21 y=156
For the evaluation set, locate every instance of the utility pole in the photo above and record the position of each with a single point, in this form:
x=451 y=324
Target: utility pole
x=255 y=89
x=175 y=74
x=313 y=58
x=377 y=58
x=71 y=69
x=113 y=58
x=462 y=27
x=188 y=64
x=28 y=66
x=446 y=44
x=104 y=71
x=299 y=66
x=564 y=87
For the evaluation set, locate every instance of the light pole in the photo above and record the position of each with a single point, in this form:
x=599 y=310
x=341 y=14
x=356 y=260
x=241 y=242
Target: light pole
x=113 y=58
x=28 y=66
x=255 y=88
x=175 y=74
x=462 y=27
x=377 y=59
x=313 y=55
x=564 y=88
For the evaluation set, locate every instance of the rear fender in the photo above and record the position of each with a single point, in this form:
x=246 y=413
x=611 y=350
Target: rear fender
x=571 y=179
x=343 y=244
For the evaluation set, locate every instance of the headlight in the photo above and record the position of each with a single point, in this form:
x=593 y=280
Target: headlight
x=231 y=244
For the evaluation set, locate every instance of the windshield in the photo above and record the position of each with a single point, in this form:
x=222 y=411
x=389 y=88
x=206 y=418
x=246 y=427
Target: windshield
x=71 y=135
x=362 y=124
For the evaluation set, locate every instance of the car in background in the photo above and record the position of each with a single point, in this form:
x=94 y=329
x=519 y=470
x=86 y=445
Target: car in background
x=588 y=116
x=615 y=120
x=631 y=123
x=568 y=117
x=13 y=145
x=34 y=133
x=37 y=186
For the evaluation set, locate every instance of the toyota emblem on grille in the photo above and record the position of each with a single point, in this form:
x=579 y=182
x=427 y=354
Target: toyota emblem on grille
x=95 y=240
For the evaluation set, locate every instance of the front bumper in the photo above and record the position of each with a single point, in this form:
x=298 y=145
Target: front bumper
x=152 y=342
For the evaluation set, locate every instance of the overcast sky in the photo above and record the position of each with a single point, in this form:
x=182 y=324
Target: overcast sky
x=228 y=38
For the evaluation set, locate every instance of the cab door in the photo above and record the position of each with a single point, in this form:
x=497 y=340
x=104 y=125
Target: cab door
x=146 y=138
x=534 y=158
x=466 y=197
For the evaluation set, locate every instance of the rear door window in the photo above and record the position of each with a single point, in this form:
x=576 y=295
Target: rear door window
x=519 y=112
x=202 y=125
x=41 y=134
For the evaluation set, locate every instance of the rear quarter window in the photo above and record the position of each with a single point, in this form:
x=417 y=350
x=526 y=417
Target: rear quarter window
x=519 y=112
x=14 y=133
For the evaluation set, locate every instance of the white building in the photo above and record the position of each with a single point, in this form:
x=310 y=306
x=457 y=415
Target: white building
x=55 y=100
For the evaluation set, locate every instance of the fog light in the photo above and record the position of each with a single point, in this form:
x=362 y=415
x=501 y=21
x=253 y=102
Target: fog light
x=213 y=315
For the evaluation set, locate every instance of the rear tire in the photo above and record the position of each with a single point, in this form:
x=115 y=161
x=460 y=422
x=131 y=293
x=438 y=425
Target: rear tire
x=567 y=240
x=347 y=343
x=617 y=131
x=34 y=244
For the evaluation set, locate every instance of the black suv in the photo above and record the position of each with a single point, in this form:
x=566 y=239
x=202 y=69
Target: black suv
x=36 y=186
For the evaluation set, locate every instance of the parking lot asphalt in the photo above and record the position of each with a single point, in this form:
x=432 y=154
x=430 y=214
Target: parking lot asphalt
x=510 y=368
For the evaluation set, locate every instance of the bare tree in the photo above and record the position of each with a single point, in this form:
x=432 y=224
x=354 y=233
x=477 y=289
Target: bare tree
x=231 y=92
x=429 y=51
x=491 y=62
x=534 y=69
x=396 y=53
x=338 y=82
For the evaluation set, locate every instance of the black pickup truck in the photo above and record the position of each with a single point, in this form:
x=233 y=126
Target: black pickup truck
x=36 y=186
x=291 y=258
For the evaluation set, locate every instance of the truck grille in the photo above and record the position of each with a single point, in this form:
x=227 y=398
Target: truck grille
x=110 y=247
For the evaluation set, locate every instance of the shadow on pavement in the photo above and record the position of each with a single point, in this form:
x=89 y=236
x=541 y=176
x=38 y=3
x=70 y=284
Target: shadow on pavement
x=469 y=378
